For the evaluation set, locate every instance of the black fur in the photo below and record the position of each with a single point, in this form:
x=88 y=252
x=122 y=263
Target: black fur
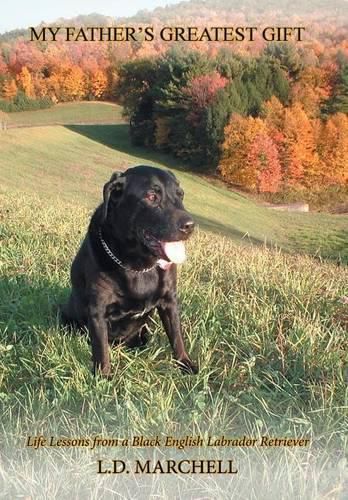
x=142 y=207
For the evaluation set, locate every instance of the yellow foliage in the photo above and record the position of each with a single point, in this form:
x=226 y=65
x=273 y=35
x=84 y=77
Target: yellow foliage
x=99 y=84
x=333 y=149
x=235 y=166
x=25 y=82
x=67 y=83
x=301 y=161
x=9 y=89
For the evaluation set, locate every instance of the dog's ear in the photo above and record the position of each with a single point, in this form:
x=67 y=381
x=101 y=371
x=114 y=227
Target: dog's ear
x=114 y=187
x=172 y=175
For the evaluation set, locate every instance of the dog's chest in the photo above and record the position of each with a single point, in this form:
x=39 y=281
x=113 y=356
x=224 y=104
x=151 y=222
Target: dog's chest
x=141 y=295
x=144 y=287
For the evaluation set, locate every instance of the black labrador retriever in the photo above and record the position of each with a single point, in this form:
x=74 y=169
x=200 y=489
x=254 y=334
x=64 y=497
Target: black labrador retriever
x=126 y=265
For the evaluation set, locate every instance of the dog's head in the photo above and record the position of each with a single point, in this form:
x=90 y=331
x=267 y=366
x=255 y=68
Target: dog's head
x=145 y=205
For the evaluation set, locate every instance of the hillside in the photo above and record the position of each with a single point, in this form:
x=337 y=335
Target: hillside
x=191 y=10
x=268 y=330
x=251 y=9
x=72 y=162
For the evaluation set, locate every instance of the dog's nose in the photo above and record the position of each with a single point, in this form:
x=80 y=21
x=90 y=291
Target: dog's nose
x=187 y=226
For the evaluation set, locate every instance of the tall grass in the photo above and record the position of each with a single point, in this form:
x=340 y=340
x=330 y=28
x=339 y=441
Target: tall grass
x=269 y=331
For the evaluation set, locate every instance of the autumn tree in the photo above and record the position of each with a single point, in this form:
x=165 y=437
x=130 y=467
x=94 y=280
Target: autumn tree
x=313 y=88
x=201 y=92
x=3 y=73
x=300 y=161
x=3 y=66
x=67 y=83
x=236 y=165
x=28 y=54
x=288 y=56
x=273 y=112
x=40 y=86
x=73 y=84
x=340 y=120
x=25 y=82
x=98 y=84
x=112 y=83
x=333 y=149
x=187 y=117
x=338 y=103
x=9 y=89
x=263 y=157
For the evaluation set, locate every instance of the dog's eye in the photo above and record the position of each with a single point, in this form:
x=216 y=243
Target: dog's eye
x=180 y=194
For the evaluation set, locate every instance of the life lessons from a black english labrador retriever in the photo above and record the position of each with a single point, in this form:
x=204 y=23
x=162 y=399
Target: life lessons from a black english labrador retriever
x=125 y=268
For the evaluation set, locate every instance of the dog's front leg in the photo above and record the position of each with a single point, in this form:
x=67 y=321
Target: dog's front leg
x=169 y=315
x=98 y=331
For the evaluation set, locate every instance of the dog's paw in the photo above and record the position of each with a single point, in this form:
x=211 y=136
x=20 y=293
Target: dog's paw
x=187 y=366
x=103 y=371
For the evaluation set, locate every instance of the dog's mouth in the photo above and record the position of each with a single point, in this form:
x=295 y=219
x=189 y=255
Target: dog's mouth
x=168 y=252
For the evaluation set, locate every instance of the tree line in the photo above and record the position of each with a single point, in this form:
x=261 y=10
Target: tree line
x=266 y=118
x=266 y=123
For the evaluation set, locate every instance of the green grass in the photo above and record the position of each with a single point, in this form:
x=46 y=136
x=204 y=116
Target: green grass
x=67 y=113
x=267 y=327
x=73 y=163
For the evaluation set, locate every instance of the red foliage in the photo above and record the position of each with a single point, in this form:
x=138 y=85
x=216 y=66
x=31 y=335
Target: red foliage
x=25 y=54
x=3 y=67
x=201 y=92
x=263 y=154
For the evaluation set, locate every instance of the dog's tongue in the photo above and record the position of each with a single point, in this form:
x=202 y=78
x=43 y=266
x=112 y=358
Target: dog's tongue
x=175 y=251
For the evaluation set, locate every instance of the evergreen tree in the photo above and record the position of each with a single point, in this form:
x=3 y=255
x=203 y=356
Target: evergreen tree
x=227 y=101
x=288 y=56
x=339 y=100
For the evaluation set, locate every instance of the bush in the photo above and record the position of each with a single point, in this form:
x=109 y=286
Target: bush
x=24 y=103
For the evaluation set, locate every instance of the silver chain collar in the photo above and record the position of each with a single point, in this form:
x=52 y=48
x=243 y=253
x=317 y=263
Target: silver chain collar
x=118 y=261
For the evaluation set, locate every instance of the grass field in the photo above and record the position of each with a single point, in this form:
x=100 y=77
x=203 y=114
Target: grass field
x=68 y=113
x=72 y=162
x=268 y=327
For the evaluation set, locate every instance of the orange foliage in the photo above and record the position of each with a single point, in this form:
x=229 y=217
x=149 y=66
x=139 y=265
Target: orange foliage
x=263 y=156
x=9 y=89
x=67 y=83
x=300 y=162
x=249 y=156
x=3 y=67
x=313 y=88
x=287 y=148
x=98 y=84
x=40 y=86
x=273 y=111
x=25 y=82
x=333 y=149
x=236 y=166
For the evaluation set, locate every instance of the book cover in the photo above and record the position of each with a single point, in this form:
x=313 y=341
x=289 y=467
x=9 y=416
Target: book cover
x=188 y=338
